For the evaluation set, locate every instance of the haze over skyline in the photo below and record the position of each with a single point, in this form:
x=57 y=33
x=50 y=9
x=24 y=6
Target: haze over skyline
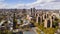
x=39 y=4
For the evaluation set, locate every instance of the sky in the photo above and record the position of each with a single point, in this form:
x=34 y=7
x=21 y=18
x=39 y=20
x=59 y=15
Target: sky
x=38 y=4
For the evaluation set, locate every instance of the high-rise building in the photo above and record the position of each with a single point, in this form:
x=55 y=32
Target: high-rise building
x=33 y=11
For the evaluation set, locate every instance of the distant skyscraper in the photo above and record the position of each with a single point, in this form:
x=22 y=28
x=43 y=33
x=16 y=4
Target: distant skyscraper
x=33 y=11
x=59 y=11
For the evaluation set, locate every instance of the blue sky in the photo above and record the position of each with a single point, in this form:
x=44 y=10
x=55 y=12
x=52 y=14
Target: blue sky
x=19 y=1
x=39 y=4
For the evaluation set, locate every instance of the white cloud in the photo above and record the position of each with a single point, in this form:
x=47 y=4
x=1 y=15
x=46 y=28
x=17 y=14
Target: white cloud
x=52 y=5
x=45 y=4
x=38 y=2
x=34 y=4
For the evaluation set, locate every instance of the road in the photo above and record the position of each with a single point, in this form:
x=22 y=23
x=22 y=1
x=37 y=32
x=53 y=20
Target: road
x=32 y=31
